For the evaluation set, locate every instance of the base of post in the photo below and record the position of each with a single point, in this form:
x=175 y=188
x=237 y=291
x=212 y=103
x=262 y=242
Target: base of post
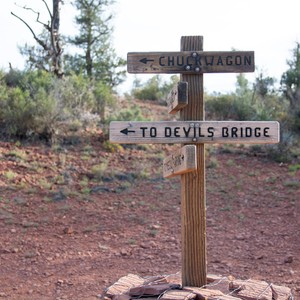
x=168 y=287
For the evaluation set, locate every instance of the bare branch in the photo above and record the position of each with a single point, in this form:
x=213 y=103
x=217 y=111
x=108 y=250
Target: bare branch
x=49 y=11
x=31 y=30
x=37 y=16
x=34 y=35
x=51 y=46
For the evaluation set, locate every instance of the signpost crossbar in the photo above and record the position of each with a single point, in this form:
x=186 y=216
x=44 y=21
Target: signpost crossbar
x=170 y=132
x=190 y=62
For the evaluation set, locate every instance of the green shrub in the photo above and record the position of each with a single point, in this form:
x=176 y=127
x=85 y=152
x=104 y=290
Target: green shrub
x=219 y=107
x=154 y=89
x=229 y=107
x=132 y=113
x=37 y=104
x=16 y=112
x=74 y=93
x=104 y=98
x=283 y=151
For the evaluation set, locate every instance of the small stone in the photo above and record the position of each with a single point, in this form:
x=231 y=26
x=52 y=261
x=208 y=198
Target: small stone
x=2 y=295
x=68 y=230
x=240 y=238
x=288 y=259
x=13 y=230
x=59 y=196
x=152 y=244
x=155 y=227
x=144 y=246
x=123 y=252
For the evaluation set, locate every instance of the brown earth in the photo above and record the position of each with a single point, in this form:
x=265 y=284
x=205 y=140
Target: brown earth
x=75 y=218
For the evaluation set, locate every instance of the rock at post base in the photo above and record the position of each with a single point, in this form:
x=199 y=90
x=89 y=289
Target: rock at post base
x=168 y=287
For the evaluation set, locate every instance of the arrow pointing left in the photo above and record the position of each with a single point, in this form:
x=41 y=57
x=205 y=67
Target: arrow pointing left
x=145 y=60
x=126 y=131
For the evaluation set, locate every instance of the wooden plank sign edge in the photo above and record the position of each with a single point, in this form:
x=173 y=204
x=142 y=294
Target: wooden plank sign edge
x=180 y=162
x=194 y=132
x=190 y=62
x=177 y=99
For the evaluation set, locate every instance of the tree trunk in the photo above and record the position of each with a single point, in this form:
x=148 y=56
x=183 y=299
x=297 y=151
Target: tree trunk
x=57 y=64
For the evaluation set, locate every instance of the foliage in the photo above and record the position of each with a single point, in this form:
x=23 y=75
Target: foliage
x=228 y=107
x=290 y=80
x=96 y=58
x=27 y=106
x=290 y=85
x=36 y=103
x=261 y=102
x=266 y=100
x=103 y=98
x=283 y=151
x=264 y=86
x=154 y=89
x=234 y=106
x=133 y=113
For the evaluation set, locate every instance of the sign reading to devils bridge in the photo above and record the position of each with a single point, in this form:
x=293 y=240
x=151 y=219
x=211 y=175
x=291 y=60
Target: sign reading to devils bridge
x=190 y=62
x=169 y=132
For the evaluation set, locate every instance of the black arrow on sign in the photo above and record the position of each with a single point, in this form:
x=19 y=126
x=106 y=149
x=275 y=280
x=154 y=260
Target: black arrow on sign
x=145 y=60
x=126 y=131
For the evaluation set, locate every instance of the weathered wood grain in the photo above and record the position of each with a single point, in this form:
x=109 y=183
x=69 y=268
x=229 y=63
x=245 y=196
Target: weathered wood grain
x=171 y=132
x=182 y=161
x=191 y=62
x=177 y=99
x=193 y=194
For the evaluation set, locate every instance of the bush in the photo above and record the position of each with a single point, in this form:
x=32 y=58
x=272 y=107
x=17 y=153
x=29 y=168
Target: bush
x=75 y=93
x=283 y=151
x=103 y=98
x=150 y=91
x=16 y=112
x=155 y=89
x=228 y=107
x=35 y=103
x=132 y=113
x=29 y=108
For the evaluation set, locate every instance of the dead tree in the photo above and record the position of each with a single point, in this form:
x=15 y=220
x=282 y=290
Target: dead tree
x=52 y=46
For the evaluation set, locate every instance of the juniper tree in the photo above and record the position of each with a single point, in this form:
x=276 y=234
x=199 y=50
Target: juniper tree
x=96 y=57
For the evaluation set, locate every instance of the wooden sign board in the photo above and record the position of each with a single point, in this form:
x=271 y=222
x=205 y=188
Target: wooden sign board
x=187 y=62
x=178 y=97
x=169 y=132
x=182 y=161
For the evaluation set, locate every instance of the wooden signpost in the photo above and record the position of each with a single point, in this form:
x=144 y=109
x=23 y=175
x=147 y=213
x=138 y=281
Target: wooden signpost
x=189 y=161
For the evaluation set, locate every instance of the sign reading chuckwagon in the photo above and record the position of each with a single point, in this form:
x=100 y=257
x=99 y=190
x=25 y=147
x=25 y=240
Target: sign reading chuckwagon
x=191 y=62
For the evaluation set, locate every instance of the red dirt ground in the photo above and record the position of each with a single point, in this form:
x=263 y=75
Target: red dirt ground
x=76 y=218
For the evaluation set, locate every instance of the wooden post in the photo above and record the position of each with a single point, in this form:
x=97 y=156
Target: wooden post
x=193 y=206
